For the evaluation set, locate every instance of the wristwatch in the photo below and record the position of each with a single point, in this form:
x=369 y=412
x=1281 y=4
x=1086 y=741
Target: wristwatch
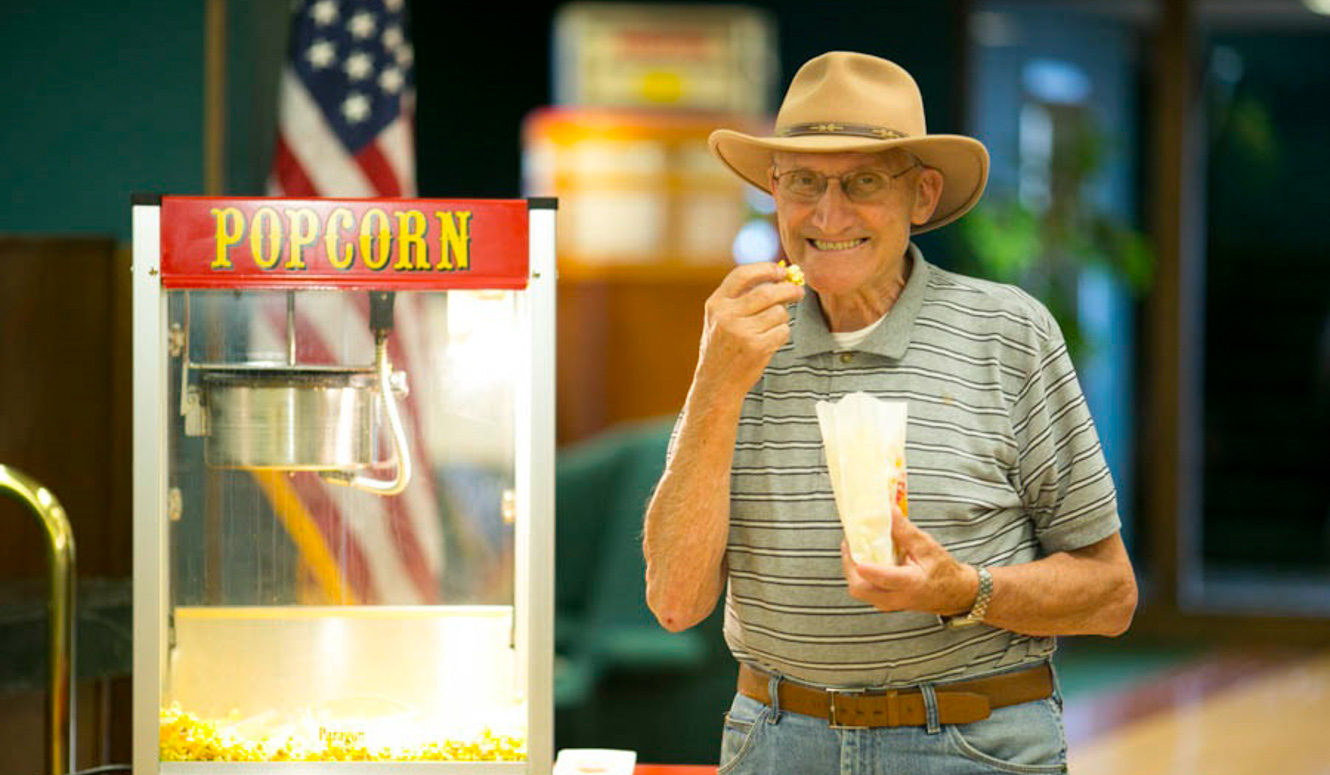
x=977 y=611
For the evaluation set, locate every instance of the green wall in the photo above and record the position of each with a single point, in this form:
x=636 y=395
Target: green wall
x=106 y=99
x=103 y=99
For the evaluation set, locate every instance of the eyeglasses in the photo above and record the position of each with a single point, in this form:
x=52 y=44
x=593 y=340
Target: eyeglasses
x=859 y=186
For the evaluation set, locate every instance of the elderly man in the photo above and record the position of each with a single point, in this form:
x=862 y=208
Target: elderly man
x=940 y=664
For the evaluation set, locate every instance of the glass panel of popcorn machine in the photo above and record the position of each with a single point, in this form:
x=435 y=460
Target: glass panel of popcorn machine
x=341 y=566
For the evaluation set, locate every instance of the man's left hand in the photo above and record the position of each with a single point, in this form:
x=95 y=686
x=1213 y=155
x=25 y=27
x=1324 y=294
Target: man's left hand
x=928 y=578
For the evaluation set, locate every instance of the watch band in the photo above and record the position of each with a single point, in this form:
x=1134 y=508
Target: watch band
x=980 y=608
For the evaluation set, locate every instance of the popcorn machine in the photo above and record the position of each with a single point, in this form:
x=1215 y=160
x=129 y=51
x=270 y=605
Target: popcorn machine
x=343 y=485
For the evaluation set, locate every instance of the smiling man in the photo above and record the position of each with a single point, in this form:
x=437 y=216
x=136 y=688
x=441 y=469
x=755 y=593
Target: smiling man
x=941 y=664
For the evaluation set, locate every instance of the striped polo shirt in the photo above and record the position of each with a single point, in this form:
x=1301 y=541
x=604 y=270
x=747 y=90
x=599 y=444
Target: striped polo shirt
x=1004 y=466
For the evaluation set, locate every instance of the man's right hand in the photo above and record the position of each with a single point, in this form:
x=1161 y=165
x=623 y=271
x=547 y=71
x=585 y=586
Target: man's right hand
x=745 y=323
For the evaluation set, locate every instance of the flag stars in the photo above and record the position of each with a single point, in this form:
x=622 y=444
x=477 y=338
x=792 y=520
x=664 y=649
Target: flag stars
x=355 y=108
x=391 y=80
x=321 y=54
x=393 y=5
x=359 y=66
x=362 y=25
x=392 y=38
x=324 y=12
x=405 y=55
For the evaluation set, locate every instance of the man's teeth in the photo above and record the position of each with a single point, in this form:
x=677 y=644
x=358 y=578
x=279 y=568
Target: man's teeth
x=842 y=245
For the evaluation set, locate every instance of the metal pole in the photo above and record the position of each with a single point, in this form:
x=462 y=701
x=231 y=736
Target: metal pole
x=290 y=328
x=214 y=97
x=60 y=614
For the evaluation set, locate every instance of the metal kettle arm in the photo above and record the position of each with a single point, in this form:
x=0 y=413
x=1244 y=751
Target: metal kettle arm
x=401 y=448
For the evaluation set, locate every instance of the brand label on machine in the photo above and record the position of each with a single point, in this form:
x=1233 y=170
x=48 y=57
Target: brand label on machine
x=344 y=243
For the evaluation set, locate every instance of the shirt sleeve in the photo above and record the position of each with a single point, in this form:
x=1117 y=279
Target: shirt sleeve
x=1064 y=481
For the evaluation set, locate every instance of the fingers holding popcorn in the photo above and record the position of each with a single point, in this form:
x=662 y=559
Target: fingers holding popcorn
x=793 y=274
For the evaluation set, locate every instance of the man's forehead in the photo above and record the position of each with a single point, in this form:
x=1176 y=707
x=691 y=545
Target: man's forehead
x=837 y=161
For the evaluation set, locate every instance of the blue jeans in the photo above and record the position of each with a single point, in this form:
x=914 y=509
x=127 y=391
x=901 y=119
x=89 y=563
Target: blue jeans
x=762 y=740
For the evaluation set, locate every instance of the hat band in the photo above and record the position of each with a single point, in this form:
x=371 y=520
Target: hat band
x=830 y=128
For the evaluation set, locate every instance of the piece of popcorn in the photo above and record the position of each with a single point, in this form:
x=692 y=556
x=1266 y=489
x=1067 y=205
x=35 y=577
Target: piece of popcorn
x=793 y=273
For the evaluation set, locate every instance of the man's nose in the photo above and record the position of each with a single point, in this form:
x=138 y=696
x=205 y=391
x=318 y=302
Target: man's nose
x=833 y=207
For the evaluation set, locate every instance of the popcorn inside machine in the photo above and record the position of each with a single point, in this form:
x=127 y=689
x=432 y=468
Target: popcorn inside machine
x=343 y=485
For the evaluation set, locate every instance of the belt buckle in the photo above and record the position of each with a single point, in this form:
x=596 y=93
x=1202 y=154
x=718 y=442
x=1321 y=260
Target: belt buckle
x=832 y=696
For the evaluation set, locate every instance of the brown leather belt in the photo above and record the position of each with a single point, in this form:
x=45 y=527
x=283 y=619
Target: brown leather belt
x=962 y=702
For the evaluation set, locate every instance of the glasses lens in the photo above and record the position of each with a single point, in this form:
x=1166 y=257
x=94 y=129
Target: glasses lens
x=866 y=185
x=803 y=184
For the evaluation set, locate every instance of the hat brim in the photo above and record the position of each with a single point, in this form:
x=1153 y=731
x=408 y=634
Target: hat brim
x=963 y=162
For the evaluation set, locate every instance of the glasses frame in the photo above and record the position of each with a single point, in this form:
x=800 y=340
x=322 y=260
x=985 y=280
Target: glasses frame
x=822 y=189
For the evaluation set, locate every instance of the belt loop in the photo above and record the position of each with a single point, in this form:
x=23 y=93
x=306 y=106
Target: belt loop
x=773 y=692
x=930 y=708
x=1057 y=684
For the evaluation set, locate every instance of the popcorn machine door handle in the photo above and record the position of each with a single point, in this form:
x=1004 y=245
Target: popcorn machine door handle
x=401 y=450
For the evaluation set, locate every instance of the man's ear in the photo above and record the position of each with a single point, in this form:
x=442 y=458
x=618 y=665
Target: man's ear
x=771 y=176
x=927 y=194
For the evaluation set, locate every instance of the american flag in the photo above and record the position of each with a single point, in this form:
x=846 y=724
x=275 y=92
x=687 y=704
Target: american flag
x=347 y=103
x=345 y=129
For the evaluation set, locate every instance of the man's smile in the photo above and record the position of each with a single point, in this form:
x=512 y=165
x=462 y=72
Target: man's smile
x=839 y=245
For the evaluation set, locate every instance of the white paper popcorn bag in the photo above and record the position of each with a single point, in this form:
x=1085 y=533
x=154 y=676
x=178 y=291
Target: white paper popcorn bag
x=864 y=440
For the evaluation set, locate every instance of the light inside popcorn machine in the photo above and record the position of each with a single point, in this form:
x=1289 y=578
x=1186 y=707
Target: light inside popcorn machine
x=343 y=493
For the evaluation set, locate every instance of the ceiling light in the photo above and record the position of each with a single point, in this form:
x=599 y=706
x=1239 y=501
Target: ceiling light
x=1318 y=6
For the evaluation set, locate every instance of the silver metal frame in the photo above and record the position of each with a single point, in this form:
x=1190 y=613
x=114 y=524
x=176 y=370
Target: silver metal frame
x=150 y=424
x=534 y=528
x=535 y=535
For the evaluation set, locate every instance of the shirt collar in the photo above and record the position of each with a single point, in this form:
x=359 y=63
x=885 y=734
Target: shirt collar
x=810 y=334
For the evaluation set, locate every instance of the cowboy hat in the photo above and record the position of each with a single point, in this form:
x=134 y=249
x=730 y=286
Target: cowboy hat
x=847 y=102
